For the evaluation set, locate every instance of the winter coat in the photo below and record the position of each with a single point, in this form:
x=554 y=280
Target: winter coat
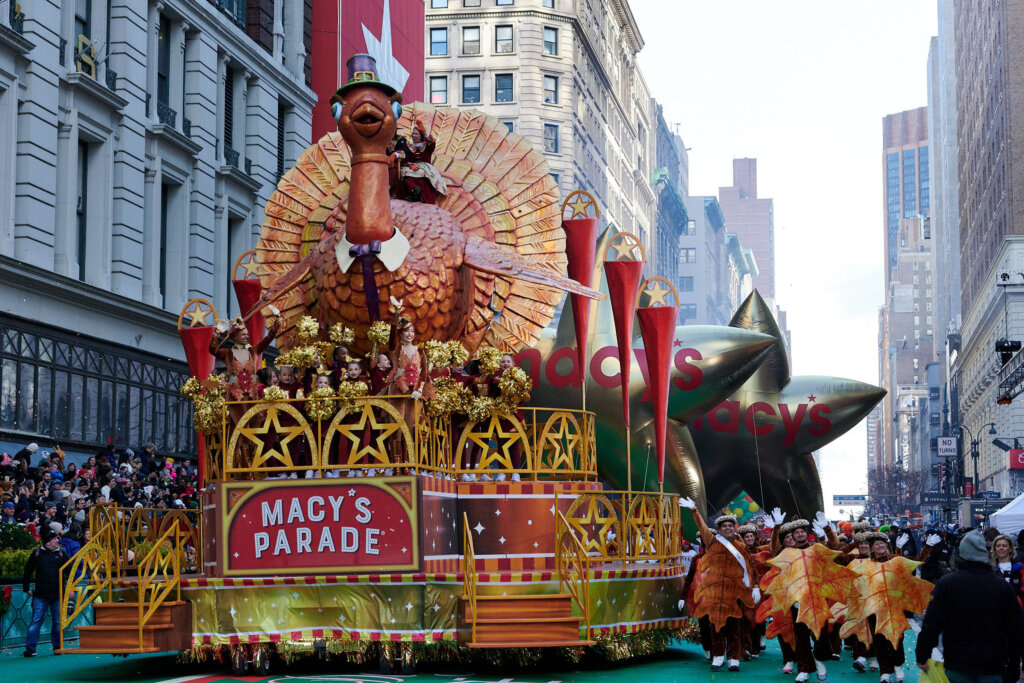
x=44 y=566
x=978 y=616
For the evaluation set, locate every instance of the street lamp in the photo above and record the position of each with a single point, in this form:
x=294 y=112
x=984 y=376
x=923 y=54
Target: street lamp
x=958 y=431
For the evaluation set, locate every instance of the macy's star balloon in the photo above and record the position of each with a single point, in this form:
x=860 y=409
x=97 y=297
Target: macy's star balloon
x=760 y=439
x=708 y=364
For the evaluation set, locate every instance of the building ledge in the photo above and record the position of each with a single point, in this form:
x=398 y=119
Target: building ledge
x=14 y=40
x=176 y=137
x=240 y=178
x=86 y=85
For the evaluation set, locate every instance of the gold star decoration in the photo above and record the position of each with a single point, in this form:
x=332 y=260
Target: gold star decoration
x=275 y=438
x=580 y=202
x=247 y=262
x=596 y=515
x=624 y=245
x=495 y=432
x=198 y=314
x=563 y=443
x=657 y=294
x=381 y=431
x=643 y=522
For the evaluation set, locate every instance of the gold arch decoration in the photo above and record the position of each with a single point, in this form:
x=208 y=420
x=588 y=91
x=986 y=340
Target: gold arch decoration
x=563 y=443
x=203 y=314
x=656 y=289
x=250 y=428
x=581 y=204
x=249 y=265
x=434 y=438
x=626 y=245
x=365 y=416
x=504 y=430
x=591 y=516
x=671 y=524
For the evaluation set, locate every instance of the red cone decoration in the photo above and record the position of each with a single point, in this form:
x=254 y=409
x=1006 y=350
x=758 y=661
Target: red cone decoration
x=658 y=327
x=248 y=292
x=196 y=341
x=580 y=249
x=623 y=287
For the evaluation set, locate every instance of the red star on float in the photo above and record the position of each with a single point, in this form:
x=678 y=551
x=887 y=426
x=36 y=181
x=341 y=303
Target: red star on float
x=811 y=398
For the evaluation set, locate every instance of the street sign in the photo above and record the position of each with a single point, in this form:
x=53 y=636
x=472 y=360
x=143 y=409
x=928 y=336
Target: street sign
x=939 y=499
x=988 y=494
x=858 y=499
x=946 y=447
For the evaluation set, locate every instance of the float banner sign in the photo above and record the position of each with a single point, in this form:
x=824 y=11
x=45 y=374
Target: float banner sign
x=1017 y=458
x=945 y=447
x=284 y=527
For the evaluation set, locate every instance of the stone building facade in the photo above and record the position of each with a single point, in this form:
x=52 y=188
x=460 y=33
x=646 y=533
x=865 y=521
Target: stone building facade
x=142 y=141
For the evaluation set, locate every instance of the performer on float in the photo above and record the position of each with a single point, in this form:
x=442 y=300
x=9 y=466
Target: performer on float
x=728 y=585
x=409 y=368
x=492 y=387
x=421 y=181
x=241 y=361
x=289 y=382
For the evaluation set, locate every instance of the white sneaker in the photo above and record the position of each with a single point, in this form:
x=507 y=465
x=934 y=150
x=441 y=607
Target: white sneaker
x=860 y=665
x=787 y=668
x=762 y=643
x=802 y=677
x=500 y=476
x=351 y=474
x=333 y=474
x=468 y=477
x=822 y=671
x=707 y=655
x=734 y=665
x=515 y=476
x=293 y=475
x=898 y=673
x=311 y=474
x=372 y=472
x=485 y=477
x=885 y=679
x=716 y=662
x=873 y=664
x=389 y=472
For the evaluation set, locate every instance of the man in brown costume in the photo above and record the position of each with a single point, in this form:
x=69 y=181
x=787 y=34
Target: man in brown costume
x=728 y=586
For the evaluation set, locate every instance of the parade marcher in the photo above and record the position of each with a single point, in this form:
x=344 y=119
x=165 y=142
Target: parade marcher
x=977 y=615
x=43 y=570
x=752 y=632
x=728 y=586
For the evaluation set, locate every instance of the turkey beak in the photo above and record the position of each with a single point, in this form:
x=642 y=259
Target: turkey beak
x=368 y=119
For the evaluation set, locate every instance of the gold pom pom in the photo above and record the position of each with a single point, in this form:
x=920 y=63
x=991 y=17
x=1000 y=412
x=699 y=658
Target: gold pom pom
x=437 y=354
x=379 y=333
x=481 y=408
x=273 y=393
x=191 y=387
x=490 y=359
x=321 y=404
x=340 y=334
x=348 y=392
x=457 y=353
x=515 y=386
x=306 y=330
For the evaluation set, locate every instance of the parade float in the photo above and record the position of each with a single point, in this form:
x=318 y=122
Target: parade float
x=425 y=521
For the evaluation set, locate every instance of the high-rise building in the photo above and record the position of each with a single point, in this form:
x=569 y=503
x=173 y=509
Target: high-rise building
x=989 y=60
x=752 y=218
x=141 y=144
x=906 y=191
x=564 y=75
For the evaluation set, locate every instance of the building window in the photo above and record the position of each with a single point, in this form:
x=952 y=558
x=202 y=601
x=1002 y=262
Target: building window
x=503 y=39
x=470 y=40
x=229 y=109
x=550 y=4
x=551 y=138
x=550 y=40
x=164 y=232
x=500 y=3
x=686 y=283
x=438 y=90
x=688 y=255
x=470 y=3
x=438 y=4
x=83 y=10
x=551 y=89
x=438 y=41
x=503 y=88
x=471 y=89
x=511 y=125
x=282 y=113
x=556 y=177
x=690 y=228
x=83 y=205
x=163 y=63
x=687 y=312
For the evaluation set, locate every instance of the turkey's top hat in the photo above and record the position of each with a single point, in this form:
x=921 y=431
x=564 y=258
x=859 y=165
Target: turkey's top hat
x=362 y=70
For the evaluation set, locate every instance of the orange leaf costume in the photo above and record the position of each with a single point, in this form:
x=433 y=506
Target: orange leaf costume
x=721 y=591
x=884 y=590
x=809 y=576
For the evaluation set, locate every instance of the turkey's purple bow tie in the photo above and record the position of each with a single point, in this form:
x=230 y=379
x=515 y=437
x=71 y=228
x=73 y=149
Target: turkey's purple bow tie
x=365 y=253
x=365 y=249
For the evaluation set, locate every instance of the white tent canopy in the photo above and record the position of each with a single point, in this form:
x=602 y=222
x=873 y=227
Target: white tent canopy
x=1010 y=518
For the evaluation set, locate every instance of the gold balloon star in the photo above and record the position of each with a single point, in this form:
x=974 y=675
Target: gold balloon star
x=657 y=294
x=579 y=207
x=580 y=202
x=198 y=314
x=247 y=261
x=272 y=437
x=624 y=245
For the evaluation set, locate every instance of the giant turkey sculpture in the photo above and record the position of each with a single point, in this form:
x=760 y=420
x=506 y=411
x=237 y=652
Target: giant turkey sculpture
x=485 y=265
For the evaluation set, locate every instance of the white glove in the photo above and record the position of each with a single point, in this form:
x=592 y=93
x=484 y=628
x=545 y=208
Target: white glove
x=611 y=535
x=397 y=303
x=416 y=395
x=819 y=531
x=687 y=503
x=681 y=603
x=757 y=595
x=933 y=539
x=902 y=540
x=821 y=520
x=778 y=516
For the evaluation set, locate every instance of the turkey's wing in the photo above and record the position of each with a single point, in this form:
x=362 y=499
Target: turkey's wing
x=492 y=258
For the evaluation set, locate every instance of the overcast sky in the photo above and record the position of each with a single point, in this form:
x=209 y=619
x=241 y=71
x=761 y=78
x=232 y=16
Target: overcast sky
x=801 y=85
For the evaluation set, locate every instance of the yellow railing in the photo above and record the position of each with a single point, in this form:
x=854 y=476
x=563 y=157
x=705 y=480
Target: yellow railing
x=159 y=575
x=277 y=438
x=572 y=566
x=136 y=530
x=469 y=573
x=626 y=526
x=89 y=574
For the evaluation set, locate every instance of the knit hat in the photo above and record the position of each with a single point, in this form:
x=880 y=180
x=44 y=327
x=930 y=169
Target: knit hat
x=872 y=536
x=725 y=518
x=883 y=528
x=746 y=529
x=56 y=528
x=790 y=527
x=973 y=547
x=32 y=447
x=860 y=526
x=860 y=537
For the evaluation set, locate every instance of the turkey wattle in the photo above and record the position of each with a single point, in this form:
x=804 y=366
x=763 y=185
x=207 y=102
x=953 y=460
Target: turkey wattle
x=486 y=265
